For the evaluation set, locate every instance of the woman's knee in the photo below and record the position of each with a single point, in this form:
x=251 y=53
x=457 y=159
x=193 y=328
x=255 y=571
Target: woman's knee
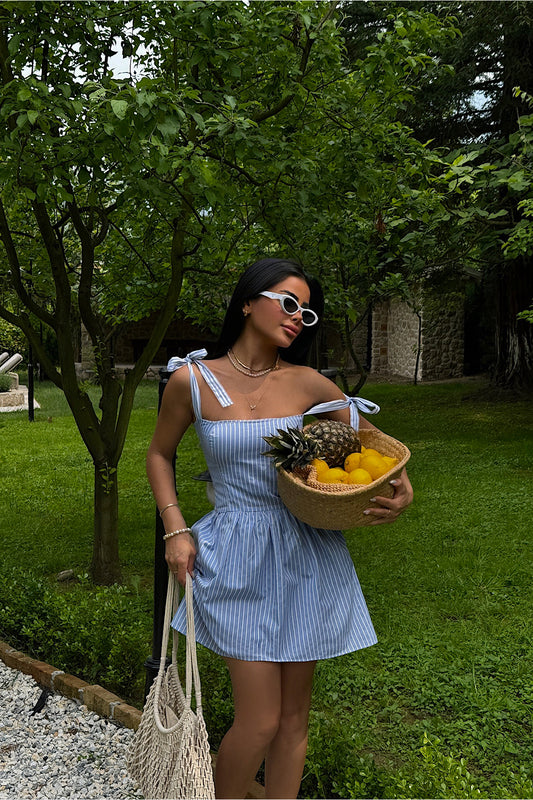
x=260 y=729
x=293 y=724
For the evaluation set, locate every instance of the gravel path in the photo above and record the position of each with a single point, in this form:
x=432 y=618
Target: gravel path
x=61 y=751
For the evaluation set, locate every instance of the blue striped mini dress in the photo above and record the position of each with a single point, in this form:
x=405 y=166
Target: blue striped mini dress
x=267 y=587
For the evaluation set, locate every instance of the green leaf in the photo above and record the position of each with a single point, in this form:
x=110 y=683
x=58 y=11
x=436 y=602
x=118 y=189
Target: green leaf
x=63 y=195
x=199 y=120
x=519 y=181
x=33 y=116
x=24 y=94
x=14 y=43
x=84 y=176
x=169 y=126
x=119 y=107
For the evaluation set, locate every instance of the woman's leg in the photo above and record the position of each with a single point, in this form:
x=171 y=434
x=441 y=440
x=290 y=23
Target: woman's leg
x=286 y=755
x=257 y=700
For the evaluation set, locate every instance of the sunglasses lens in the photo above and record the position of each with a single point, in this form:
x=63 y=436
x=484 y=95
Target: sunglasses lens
x=309 y=317
x=289 y=305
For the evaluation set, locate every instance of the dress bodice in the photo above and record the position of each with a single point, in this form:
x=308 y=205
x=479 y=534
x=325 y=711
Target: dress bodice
x=242 y=477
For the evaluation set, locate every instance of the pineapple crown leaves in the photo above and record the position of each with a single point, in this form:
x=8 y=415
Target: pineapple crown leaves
x=330 y=440
x=290 y=448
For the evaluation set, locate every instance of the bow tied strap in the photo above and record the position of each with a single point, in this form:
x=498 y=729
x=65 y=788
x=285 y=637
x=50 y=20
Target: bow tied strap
x=191 y=358
x=355 y=404
x=195 y=357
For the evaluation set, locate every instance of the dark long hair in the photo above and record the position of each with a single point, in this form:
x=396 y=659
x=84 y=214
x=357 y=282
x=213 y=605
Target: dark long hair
x=260 y=277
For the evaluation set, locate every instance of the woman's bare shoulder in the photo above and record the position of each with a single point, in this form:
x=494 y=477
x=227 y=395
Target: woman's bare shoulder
x=178 y=389
x=317 y=387
x=179 y=378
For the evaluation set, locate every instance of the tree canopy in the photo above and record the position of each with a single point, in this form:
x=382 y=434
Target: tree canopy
x=475 y=112
x=114 y=189
x=237 y=130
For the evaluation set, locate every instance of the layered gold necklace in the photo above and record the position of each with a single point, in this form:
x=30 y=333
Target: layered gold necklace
x=246 y=370
x=240 y=366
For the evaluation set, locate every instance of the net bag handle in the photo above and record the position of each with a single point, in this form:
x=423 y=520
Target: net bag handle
x=192 y=674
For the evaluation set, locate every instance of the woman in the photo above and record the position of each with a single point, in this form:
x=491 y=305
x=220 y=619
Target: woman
x=272 y=594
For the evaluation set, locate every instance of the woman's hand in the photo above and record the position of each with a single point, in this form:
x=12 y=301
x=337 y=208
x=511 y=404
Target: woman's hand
x=388 y=509
x=180 y=553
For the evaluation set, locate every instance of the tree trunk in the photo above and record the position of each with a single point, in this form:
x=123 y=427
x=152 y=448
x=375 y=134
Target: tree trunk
x=514 y=338
x=418 y=347
x=105 y=567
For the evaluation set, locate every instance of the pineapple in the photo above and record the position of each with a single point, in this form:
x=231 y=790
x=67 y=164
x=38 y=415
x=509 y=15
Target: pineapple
x=327 y=439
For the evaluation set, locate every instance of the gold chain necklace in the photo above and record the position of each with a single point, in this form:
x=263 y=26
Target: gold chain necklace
x=253 y=406
x=246 y=370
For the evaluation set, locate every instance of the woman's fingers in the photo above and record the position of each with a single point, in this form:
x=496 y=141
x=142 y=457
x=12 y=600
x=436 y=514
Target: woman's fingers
x=180 y=553
x=388 y=509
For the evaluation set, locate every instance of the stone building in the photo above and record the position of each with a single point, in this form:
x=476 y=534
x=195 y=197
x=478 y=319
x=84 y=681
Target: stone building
x=181 y=337
x=435 y=334
x=387 y=341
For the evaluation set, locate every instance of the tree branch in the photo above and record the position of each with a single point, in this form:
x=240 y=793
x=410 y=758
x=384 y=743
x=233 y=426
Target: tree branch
x=90 y=319
x=5 y=68
x=16 y=273
x=22 y=321
x=132 y=247
x=304 y=61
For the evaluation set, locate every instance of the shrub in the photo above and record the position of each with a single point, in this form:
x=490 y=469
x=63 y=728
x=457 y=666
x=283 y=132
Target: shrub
x=5 y=382
x=440 y=775
x=12 y=338
x=102 y=634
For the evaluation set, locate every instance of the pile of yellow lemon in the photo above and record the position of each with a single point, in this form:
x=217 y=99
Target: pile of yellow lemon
x=359 y=468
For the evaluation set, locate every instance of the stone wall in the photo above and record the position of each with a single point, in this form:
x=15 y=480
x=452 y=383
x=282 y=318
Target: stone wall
x=402 y=340
x=395 y=338
x=181 y=337
x=443 y=344
x=380 y=339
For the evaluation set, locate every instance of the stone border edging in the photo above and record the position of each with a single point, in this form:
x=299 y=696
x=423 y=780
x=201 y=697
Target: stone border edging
x=95 y=697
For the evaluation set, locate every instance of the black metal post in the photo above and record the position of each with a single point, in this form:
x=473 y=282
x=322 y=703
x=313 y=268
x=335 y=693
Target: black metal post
x=31 y=399
x=160 y=578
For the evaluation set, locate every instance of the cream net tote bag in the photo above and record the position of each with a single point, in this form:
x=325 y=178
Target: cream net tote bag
x=169 y=756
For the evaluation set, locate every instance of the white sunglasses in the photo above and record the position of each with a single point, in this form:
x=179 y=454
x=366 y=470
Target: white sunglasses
x=290 y=306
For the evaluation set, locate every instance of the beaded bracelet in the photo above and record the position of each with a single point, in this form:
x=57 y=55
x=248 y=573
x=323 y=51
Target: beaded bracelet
x=175 y=533
x=165 y=508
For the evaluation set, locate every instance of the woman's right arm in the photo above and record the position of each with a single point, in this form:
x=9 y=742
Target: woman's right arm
x=175 y=416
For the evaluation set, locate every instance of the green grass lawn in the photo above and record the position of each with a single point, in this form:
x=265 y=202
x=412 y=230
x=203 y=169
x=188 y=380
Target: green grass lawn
x=443 y=705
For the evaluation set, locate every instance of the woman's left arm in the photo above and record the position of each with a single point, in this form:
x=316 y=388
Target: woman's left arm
x=388 y=509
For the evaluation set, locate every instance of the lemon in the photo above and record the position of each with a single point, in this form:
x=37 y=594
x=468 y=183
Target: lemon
x=352 y=461
x=375 y=465
x=320 y=465
x=390 y=461
x=333 y=475
x=369 y=451
x=359 y=476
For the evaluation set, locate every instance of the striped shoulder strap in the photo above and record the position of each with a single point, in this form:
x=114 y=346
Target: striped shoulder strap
x=355 y=404
x=195 y=357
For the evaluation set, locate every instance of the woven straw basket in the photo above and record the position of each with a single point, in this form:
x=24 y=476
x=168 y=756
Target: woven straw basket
x=340 y=506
